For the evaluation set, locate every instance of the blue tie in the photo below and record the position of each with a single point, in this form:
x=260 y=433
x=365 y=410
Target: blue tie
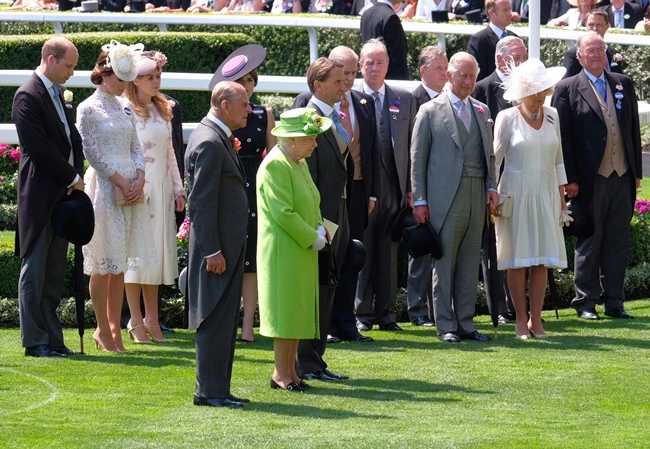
x=54 y=93
x=378 y=110
x=339 y=127
x=600 y=86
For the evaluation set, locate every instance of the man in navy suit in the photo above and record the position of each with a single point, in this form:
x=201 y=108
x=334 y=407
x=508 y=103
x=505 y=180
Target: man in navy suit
x=623 y=14
x=381 y=21
x=51 y=166
x=483 y=44
x=601 y=144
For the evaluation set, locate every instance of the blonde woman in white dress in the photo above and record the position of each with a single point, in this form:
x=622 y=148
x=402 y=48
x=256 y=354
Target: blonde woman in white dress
x=122 y=238
x=527 y=140
x=163 y=192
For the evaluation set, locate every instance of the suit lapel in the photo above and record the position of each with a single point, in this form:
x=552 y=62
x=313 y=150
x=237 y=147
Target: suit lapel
x=497 y=91
x=449 y=118
x=49 y=105
x=226 y=143
x=587 y=92
x=390 y=99
x=612 y=83
x=329 y=136
x=481 y=120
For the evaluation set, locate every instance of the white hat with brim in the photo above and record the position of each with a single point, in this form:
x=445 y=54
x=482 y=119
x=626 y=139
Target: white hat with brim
x=529 y=78
x=122 y=59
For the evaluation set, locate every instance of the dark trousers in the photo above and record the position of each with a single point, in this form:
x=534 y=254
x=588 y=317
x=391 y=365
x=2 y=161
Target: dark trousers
x=419 y=288
x=600 y=260
x=343 y=322
x=500 y=290
x=215 y=345
x=310 y=352
x=40 y=288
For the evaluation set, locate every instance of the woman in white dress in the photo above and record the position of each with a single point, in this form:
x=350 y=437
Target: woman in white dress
x=122 y=238
x=163 y=193
x=527 y=140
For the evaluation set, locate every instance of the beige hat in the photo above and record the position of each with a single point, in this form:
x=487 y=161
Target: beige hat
x=122 y=59
x=529 y=78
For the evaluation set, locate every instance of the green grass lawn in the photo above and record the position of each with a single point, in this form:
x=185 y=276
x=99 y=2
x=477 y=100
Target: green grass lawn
x=585 y=387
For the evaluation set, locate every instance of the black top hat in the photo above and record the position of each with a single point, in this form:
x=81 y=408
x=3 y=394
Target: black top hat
x=355 y=257
x=474 y=16
x=239 y=63
x=421 y=240
x=74 y=219
x=440 y=16
x=582 y=225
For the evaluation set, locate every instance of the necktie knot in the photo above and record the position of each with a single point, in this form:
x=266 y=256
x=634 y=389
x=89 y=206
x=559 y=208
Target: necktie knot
x=504 y=34
x=335 y=117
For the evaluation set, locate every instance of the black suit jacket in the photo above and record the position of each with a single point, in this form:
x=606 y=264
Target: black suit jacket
x=420 y=96
x=584 y=132
x=329 y=172
x=573 y=67
x=179 y=147
x=44 y=172
x=489 y=91
x=630 y=9
x=482 y=46
x=381 y=21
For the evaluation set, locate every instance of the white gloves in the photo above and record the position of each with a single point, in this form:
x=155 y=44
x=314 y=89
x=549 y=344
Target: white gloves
x=565 y=217
x=321 y=240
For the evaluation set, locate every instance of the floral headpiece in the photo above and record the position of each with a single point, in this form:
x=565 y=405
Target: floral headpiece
x=301 y=122
x=122 y=59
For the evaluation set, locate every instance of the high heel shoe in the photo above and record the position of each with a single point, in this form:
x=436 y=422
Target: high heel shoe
x=522 y=337
x=291 y=386
x=138 y=333
x=538 y=336
x=157 y=337
x=99 y=344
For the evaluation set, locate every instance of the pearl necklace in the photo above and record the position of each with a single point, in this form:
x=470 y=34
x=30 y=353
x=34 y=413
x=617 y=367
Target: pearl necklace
x=531 y=115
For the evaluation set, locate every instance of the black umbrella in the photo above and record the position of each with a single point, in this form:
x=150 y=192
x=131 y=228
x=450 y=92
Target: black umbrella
x=552 y=290
x=493 y=279
x=79 y=293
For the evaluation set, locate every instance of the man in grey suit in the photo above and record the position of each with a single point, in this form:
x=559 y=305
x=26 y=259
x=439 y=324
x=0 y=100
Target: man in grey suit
x=452 y=174
x=219 y=217
x=432 y=65
x=329 y=170
x=395 y=111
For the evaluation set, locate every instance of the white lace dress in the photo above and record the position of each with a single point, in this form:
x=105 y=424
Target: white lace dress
x=533 y=172
x=123 y=235
x=163 y=184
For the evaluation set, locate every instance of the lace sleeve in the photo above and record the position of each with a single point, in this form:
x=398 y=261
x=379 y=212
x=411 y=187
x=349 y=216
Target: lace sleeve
x=172 y=166
x=87 y=119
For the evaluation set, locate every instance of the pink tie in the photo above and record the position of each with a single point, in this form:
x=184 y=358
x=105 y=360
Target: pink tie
x=463 y=113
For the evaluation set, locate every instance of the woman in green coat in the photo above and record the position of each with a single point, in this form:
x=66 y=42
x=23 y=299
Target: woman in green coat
x=289 y=235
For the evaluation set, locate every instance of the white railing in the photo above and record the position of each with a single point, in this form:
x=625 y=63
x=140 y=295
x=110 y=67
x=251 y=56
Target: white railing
x=171 y=81
x=310 y=23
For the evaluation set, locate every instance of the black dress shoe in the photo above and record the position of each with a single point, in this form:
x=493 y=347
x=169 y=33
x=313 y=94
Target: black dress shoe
x=318 y=375
x=236 y=399
x=619 y=312
x=423 y=321
x=390 y=327
x=328 y=373
x=588 y=314
x=450 y=337
x=362 y=326
x=216 y=402
x=475 y=336
x=332 y=339
x=65 y=350
x=41 y=351
x=357 y=337
x=165 y=330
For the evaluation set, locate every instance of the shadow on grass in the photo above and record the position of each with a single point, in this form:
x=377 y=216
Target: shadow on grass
x=302 y=411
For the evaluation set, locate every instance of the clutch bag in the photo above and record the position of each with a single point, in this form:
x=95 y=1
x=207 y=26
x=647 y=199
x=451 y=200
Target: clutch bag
x=504 y=209
x=119 y=197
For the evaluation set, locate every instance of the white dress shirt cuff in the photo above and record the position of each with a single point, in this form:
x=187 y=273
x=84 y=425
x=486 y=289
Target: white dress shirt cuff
x=212 y=255
x=420 y=203
x=76 y=180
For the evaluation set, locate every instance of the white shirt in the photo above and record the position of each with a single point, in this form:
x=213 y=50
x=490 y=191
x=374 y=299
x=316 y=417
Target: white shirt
x=432 y=93
x=325 y=108
x=498 y=31
x=381 y=90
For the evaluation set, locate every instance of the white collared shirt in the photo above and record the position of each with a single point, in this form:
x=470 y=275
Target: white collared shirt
x=502 y=76
x=325 y=108
x=381 y=91
x=498 y=31
x=432 y=93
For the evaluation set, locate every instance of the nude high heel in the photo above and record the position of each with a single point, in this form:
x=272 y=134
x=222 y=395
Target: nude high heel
x=138 y=333
x=155 y=336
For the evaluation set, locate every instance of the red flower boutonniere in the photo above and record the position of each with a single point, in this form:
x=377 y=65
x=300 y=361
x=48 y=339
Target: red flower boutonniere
x=342 y=115
x=236 y=145
x=479 y=109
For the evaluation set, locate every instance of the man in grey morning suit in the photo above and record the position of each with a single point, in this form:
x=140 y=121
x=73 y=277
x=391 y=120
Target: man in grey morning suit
x=329 y=170
x=432 y=65
x=395 y=110
x=219 y=217
x=452 y=174
x=601 y=144
x=51 y=165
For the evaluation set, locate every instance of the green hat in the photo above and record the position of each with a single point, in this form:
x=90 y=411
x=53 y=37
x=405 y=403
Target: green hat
x=301 y=122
